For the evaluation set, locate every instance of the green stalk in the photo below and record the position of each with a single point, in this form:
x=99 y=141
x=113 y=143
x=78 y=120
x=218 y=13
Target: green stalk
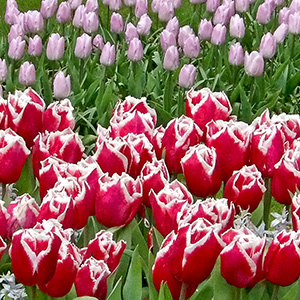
x=180 y=104
x=183 y=291
x=86 y=235
x=33 y=292
x=238 y=294
x=168 y=92
x=267 y=202
x=275 y=292
x=3 y=191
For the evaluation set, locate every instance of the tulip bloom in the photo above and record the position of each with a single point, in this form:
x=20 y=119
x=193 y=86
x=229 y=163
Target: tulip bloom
x=83 y=48
x=55 y=47
x=108 y=54
x=27 y=73
x=205 y=30
x=237 y=27
x=64 y=13
x=3 y=70
x=171 y=59
x=35 y=46
x=116 y=23
x=268 y=45
x=254 y=64
x=16 y=48
x=48 y=8
x=144 y=25
x=61 y=85
x=167 y=39
x=135 y=50
x=236 y=54
x=187 y=76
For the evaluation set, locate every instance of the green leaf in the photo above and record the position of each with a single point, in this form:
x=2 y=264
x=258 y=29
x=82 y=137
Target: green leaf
x=289 y=292
x=204 y=291
x=116 y=292
x=246 y=113
x=292 y=83
x=164 y=292
x=258 y=292
x=133 y=285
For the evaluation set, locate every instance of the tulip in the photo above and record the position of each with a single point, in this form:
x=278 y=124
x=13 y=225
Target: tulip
x=64 y=13
x=191 y=47
x=281 y=33
x=286 y=177
x=284 y=247
x=83 y=48
x=203 y=106
x=205 y=30
x=294 y=6
x=114 y=5
x=155 y=6
x=94 y=273
x=48 y=8
x=284 y=14
x=173 y=26
x=30 y=261
x=245 y=188
x=16 y=48
x=129 y=2
x=218 y=35
x=181 y=129
x=61 y=85
x=294 y=23
x=144 y=25
x=55 y=47
x=12 y=14
x=166 y=10
x=237 y=27
x=114 y=211
x=268 y=45
x=13 y=154
x=182 y=258
x=25 y=114
x=27 y=74
x=135 y=50
x=74 y=4
x=184 y=33
x=33 y=21
x=3 y=70
x=98 y=42
x=108 y=55
x=242 y=5
x=236 y=54
x=90 y=22
x=15 y=31
x=171 y=59
x=168 y=204
x=59 y=116
x=141 y=8
x=245 y=250
x=167 y=39
x=187 y=76
x=79 y=15
x=131 y=32
x=103 y=247
x=231 y=141
x=201 y=162
x=222 y=15
x=35 y=46
x=92 y=6
x=116 y=23
x=264 y=13
x=254 y=64
x=212 y=5
x=294 y=212
x=214 y=211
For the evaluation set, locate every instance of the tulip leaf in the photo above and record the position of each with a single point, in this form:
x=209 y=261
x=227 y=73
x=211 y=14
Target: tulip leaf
x=292 y=83
x=246 y=114
x=116 y=292
x=289 y=292
x=133 y=285
x=258 y=292
x=164 y=292
x=204 y=291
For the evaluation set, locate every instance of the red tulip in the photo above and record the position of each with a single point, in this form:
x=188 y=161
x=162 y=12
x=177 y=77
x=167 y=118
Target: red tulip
x=295 y=212
x=202 y=162
x=245 y=188
x=13 y=154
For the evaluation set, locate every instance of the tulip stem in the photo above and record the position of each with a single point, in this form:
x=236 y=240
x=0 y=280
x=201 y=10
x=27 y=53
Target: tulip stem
x=238 y=294
x=168 y=92
x=267 y=202
x=183 y=291
x=180 y=104
x=33 y=292
x=275 y=292
x=3 y=191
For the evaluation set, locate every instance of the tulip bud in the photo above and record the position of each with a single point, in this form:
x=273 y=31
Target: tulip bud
x=166 y=10
x=98 y=42
x=130 y=33
x=141 y=8
x=74 y=3
x=241 y=5
x=187 y=76
x=129 y=2
x=135 y=50
x=236 y=54
x=55 y=47
x=184 y=33
x=268 y=45
x=48 y=8
x=167 y=39
x=15 y=31
x=3 y=70
x=16 y=48
x=64 y=13
x=205 y=30
x=144 y=25
x=281 y=33
x=27 y=74
x=114 y=5
x=12 y=13
x=116 y=23
x=83 y=48
x=294 y=6
x=92 y=6
x=212 y=5
x=264 y=13
x=173 y=26
x=79 y=16
x=254 y=63
x=237 y=27
x=33 y=21
x=108 y=54
x=171 y=59
x=90 y=22
x=218 y=35
x=284 y=15
x=191 y=47
x=35 y=46
x=155 y=6
x=61 y=85
x=222 y=15
x=294 y=23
